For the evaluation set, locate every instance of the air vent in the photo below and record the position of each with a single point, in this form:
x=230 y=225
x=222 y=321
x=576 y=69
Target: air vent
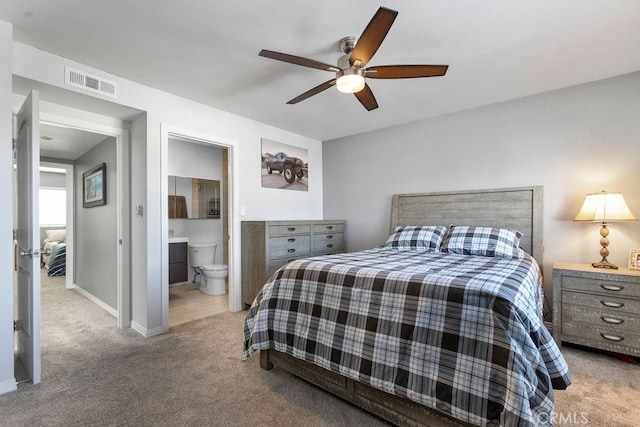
x=91 y=83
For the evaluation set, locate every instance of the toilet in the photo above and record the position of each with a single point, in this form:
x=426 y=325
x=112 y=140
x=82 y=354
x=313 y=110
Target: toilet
x=202 y=257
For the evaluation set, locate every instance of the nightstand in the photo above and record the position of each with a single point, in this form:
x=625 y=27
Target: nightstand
x=597 y=307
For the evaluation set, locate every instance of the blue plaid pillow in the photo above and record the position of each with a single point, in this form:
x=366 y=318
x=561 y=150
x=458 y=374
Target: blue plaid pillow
x=483 y=241
x=417 y=237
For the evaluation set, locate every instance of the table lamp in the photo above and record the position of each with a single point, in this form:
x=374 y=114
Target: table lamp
x=604 y=207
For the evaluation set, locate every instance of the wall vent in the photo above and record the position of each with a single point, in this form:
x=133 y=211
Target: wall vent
x=91 y=83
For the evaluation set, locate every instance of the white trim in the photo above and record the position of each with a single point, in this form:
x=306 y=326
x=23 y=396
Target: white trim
x=146 y=333
x=235 y=290
x=122 y=222
x=106 y=307
x=8 y=385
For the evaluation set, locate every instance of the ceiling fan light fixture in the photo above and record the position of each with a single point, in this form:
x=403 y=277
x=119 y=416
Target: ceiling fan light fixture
x=350 y=80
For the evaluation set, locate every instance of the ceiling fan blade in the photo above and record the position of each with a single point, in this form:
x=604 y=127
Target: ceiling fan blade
x=366 y=98
x=372 y=36
x=316 y=90
x=297 y=60
x=405 y=71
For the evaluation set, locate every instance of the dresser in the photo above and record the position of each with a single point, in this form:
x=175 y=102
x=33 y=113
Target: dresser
x=597 y=307
x=268 y=245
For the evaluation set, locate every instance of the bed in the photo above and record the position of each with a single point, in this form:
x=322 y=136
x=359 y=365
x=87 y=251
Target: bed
x=442 y=325
x=54 y=252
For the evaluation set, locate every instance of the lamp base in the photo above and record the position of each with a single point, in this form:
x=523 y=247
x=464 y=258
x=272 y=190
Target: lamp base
x=605 y=264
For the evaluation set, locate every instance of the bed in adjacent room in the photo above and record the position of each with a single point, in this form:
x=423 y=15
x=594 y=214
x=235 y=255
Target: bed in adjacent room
x=442 y=324
x=54 y=252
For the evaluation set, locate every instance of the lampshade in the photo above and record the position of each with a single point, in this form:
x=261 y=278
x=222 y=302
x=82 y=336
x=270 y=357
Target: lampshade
x=604 y=207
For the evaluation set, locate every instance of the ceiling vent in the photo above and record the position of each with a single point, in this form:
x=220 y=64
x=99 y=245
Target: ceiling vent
x=91 y=83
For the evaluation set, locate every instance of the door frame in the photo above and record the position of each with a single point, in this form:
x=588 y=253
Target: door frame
x=123 y=250
x=167 y=131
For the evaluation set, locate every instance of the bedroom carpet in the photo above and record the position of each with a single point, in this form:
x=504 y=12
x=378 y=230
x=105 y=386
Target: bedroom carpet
x=95 y=374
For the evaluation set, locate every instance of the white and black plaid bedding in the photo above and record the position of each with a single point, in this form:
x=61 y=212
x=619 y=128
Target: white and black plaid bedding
x=461 y=334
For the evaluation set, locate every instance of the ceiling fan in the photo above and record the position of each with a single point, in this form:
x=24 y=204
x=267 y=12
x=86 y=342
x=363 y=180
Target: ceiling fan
x=351 y=71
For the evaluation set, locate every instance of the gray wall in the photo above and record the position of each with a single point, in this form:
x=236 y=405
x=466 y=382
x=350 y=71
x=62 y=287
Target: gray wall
x=96 y=229
x=572 y=141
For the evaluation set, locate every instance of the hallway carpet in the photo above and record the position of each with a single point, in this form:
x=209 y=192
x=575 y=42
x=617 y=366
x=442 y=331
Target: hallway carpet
x=95 y=374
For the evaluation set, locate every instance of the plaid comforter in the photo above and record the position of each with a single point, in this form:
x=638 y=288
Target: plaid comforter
x=458 y=333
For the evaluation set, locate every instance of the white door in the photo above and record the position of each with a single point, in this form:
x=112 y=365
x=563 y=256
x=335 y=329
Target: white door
x=27 y=148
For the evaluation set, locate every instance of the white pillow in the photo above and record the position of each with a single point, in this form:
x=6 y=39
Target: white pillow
x=58 y=235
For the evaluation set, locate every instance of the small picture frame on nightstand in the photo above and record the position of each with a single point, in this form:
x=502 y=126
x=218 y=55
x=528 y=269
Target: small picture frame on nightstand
x=634 y=259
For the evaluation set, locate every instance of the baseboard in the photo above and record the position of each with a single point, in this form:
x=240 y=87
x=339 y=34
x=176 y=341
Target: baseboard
x=8 y=386
x=144 y=331
x=106 y=307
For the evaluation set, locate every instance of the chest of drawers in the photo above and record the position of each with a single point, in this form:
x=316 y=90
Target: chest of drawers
x=598 y=308
x=268 y=245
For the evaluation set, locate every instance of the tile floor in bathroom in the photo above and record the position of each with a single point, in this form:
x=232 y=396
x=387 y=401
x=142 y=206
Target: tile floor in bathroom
x=188 y=303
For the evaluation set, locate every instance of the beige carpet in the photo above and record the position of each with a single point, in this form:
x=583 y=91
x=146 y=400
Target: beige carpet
x=95 y=374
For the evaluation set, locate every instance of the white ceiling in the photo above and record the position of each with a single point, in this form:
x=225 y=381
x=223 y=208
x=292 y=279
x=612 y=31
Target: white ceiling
x=206 y=50
x=62 y=142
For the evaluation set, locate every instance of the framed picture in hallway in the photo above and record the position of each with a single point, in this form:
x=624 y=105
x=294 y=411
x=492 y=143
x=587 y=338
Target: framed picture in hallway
x=94 y=186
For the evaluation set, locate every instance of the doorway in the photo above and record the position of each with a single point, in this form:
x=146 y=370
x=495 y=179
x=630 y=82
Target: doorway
x=84 y=145
x=56 y=149
x=198 y=222
x=225 y=226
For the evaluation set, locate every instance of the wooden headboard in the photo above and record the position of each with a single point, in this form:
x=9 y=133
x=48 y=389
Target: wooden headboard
x=515 y=208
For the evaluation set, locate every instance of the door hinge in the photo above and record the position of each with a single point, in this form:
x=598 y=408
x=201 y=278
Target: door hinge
x=13 y=140
x=16 y=325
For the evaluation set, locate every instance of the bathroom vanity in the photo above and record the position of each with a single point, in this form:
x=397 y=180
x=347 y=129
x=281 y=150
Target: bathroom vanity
x=178 y=255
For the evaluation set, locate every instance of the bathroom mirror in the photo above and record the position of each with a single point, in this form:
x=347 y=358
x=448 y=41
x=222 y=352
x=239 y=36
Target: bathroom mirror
x=194 y=198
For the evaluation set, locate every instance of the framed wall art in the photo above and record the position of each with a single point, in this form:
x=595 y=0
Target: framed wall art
x=284 y=166
x=94 y=186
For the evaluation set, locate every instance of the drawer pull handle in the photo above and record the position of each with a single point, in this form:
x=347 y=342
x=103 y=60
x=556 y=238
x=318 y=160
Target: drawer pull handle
x=612 y=304
x=291 y=240
x=291 y=250
x=291 y=229
x=329 y=245
x=611 y=287
x=329 y=236
x=612 y=320
x=329 y=227
x=611 y=337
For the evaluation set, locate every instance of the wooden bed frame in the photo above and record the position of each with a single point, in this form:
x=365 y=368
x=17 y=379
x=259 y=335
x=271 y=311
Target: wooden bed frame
x=515 y=208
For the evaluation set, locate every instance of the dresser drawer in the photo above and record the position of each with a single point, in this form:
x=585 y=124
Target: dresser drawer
x=610 y=287
x=328 y=228
x=328 y=243
x=616 y=320
x=600 y=302
x=289 y=246
x=275 y=264
x=604 y=336
x=287 y=230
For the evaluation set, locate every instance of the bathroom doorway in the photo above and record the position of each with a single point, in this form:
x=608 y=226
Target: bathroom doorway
x=198 y=213
x=197 y=222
